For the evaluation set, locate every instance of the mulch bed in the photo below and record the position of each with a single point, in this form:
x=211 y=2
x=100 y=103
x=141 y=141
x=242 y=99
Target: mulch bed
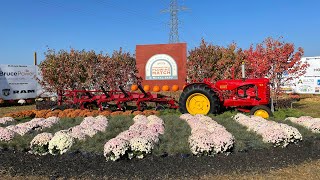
x=88 y=165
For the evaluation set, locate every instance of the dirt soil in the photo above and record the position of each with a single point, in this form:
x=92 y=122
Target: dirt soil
x=93 y=166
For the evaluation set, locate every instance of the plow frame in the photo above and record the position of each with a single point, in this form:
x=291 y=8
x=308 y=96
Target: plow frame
x=84 y=98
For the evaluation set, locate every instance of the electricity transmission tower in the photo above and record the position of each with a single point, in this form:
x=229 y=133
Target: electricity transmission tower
x=174 y=21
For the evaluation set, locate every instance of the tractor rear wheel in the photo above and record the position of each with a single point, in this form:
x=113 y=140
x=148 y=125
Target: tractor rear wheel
x=198 y=99
x=262 y=111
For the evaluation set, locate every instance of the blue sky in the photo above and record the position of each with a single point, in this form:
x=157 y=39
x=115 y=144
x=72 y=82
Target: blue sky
x=27 y=26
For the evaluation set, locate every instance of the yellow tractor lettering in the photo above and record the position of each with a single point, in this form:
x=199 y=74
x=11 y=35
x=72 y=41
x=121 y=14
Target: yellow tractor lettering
x=223 y=86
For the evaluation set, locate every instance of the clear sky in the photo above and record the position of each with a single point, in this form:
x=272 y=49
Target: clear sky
x=27 y=26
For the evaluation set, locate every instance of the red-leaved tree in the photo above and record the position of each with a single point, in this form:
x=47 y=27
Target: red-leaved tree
x=272 y=58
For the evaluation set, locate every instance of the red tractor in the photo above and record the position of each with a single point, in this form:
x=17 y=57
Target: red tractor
x=246 y=95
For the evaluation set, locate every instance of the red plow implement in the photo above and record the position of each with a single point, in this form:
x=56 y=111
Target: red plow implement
x=113 y=99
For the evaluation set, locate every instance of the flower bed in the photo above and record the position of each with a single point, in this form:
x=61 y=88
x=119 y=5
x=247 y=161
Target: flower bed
x=6 y=120
x=207 y=136
x=62 y=140
x=308 y=122
x=272 y=132
x=8 y=133
x=137 y=141
x=72 y=113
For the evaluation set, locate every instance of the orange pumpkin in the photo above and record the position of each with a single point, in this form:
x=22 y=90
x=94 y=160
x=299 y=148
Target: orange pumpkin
x=146 y=88
x=175 y=88
x=156 y=88
x=165 y=88
x=134 y=87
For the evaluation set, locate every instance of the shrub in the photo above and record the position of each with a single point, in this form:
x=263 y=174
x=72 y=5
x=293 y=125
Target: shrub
x=86 y=68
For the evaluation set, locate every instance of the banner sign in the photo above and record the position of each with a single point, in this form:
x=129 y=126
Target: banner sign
x=309 y=83
x=17 y=82
x=314 y=69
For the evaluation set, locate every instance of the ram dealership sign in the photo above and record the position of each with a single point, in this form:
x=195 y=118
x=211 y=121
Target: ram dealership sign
x=18 y=82
x=309 y=83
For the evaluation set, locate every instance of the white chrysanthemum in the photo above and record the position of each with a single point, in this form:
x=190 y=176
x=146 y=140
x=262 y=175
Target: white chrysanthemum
x=152 y=119
x=272 y=132
x=22 y=101
x=140 y=119
x=39 y=144
x=100 y=123
x=138 y=127
x=313 y=124
x=47 y=123
x=77 y=133
x=141 y=146
x=6 y=134
x=150 y=136
x=87 y=122
x=89 y=131
x=21 y=130
x=6 y=120
x=115 y=148
x=140 y=138
x=157 y=128
x=207 y=136
x=60 y=143
x=128 y=134
x=186 y=116
x=201 y=143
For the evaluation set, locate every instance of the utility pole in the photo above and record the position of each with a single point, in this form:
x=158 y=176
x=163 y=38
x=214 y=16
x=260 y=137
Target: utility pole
x=35 y=58
x=174 y=20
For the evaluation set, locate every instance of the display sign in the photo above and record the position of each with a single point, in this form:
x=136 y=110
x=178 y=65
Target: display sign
x=17 y=82
x=309 y=83
x=314 y=69
x=161 y=67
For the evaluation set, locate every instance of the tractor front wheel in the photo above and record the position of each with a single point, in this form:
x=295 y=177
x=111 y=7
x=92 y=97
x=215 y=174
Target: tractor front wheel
x=262 y=111
x=198 y=99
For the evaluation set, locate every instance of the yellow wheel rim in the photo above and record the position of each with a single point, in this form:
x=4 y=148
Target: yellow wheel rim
x=262 y=113
x=198 y=103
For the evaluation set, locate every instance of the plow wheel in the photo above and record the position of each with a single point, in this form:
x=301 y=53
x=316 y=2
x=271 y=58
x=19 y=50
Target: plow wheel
x=90 y=106
x=160 y=107
x=123 y=107
x=143 y=106
x=262 y=111
x=198 y=99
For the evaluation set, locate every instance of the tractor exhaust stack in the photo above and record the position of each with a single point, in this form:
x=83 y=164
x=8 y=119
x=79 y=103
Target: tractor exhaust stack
x=243 y=70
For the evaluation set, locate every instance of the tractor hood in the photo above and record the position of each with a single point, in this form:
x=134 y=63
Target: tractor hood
x=235 y=83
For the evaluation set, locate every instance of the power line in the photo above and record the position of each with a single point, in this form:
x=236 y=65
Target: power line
x=130 y=11
x=93 y=12
x=174 y=20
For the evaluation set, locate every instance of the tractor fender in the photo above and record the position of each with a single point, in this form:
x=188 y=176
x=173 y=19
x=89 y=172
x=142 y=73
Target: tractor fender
x=210 y=85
